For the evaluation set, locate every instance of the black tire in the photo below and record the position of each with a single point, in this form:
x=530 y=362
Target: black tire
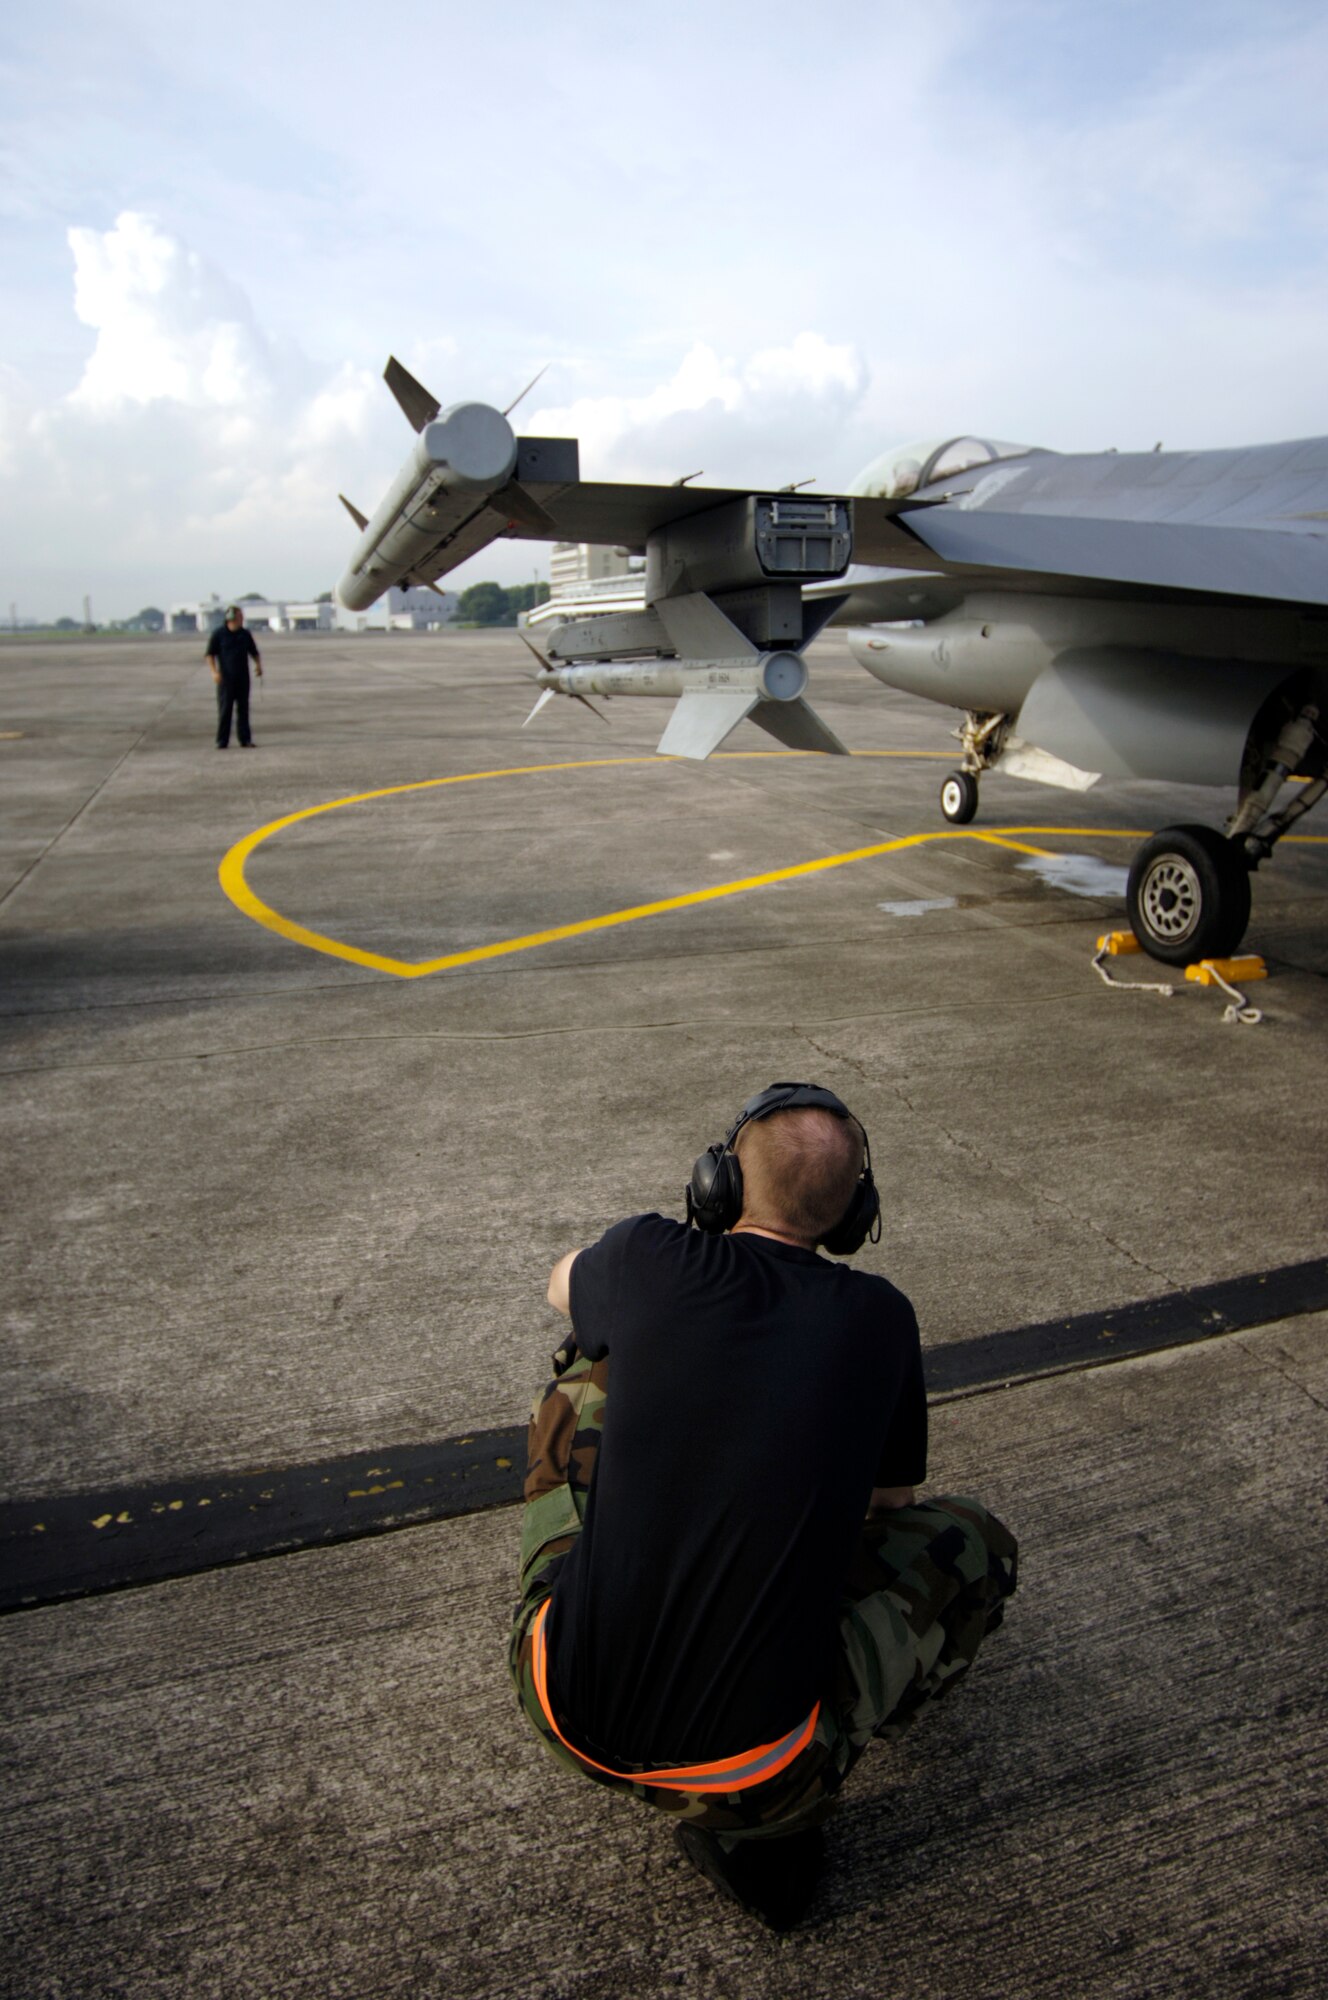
x=1188 y=895
x=959 y=797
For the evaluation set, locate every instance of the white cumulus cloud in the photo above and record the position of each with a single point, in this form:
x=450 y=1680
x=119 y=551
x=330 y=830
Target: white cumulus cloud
x=744 y=419
x=192 y=448
x=169 y=326
x=194 y=452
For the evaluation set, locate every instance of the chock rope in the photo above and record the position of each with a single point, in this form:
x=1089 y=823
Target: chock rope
x=1206 y=973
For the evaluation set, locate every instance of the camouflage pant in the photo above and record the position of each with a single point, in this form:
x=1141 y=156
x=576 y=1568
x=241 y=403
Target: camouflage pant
x=925 y=1586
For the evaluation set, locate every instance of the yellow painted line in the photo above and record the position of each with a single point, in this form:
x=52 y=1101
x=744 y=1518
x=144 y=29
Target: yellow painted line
x=236 y=886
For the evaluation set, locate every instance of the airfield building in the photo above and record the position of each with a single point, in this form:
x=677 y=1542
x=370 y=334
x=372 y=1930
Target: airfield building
x=412 y=610
x=585 y=577
x=261 y=614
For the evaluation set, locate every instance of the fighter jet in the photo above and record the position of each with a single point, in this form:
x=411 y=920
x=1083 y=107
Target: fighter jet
x=1160 y=615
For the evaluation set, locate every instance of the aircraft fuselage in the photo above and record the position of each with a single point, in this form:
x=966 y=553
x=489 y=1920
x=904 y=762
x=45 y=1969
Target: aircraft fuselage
x=988 y=652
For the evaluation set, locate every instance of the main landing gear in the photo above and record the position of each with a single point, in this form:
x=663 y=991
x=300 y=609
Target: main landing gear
x=1189 y=890
x=1188 y=894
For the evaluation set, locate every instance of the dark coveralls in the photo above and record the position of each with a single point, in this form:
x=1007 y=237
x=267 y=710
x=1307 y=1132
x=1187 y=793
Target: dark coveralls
x=232 y=651
x=922 y=1587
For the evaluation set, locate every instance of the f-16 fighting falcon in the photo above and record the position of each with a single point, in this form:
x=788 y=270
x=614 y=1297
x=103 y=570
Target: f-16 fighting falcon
x=1158 y=615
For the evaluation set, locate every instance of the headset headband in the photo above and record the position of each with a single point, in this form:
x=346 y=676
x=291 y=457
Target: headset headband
x=788 y=1097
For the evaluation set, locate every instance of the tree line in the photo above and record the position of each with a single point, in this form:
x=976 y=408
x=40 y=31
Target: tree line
x=481 y=604
x=491 y=604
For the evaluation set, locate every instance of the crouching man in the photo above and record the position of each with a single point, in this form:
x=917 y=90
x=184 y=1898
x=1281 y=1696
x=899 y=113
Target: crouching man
x=729 y=1585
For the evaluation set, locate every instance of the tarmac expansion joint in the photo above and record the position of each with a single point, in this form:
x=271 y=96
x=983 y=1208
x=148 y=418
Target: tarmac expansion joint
x=64 y=1546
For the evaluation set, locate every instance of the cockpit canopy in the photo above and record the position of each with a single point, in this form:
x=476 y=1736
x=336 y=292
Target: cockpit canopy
x=908 y=467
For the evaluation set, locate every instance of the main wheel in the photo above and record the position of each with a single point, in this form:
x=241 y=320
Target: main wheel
x=959 y=797
x=1188 y=895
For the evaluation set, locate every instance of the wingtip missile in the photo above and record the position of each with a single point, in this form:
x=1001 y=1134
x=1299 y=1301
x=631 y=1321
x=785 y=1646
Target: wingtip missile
x=459 y=459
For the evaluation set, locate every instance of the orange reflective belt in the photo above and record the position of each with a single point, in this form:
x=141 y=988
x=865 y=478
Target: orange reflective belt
x=725 y=1774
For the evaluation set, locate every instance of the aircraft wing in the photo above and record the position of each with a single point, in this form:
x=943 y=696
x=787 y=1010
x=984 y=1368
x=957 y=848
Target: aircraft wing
x=411 y=539
x=470 y=481
x=1249 y=522
x=1287 y=562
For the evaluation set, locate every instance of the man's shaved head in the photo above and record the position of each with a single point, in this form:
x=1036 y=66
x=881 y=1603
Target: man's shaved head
x=799 y=1169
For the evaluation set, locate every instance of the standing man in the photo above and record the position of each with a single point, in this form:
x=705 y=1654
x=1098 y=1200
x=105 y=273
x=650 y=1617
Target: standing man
x=229 y=652
x=729 y=1584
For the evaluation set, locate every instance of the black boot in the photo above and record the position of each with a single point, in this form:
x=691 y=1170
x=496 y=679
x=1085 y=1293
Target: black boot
x=773 y=1879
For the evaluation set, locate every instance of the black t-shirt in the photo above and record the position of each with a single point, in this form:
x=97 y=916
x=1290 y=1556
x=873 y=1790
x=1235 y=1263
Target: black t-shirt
x=757 y=1392
x=232 y=651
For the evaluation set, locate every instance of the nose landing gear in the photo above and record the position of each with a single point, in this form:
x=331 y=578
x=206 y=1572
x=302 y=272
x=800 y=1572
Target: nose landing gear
x=983 y=739
x=959 y=797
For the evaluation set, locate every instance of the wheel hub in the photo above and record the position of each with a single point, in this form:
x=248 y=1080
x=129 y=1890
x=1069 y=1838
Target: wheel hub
x=1171 y=898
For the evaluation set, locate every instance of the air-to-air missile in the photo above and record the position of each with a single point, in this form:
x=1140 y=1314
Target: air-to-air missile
x=461 y=457
x=713 y=697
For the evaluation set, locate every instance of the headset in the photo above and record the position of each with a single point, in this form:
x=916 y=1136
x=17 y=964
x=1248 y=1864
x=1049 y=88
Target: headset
x=714 y=1193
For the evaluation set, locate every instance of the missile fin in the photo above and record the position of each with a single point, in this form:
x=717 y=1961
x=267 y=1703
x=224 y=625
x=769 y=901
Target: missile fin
x=529 y=386
x=419 y=406
x=517 y=505
x=531 y=647
x=797 y=725
x=702 y=720
x=548 y=695
x=699 y=630
x=361 y=520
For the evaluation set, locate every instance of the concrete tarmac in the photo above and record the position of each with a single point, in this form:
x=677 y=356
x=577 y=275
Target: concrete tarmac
x=270 y=1203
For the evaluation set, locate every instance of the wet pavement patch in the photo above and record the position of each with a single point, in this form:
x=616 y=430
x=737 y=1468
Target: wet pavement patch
x=78 y=1544
x=921 y=908
x=1080 y=874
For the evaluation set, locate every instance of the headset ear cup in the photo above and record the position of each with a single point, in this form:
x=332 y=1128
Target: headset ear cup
x=714 y=1193
x=858 y=1221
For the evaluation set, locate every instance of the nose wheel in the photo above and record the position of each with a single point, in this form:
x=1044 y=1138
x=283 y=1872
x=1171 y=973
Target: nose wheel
x=959 y=797
x=1188 y=895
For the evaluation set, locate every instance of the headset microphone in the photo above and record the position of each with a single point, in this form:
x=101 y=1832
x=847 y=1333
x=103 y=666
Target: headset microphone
x=714 y=1192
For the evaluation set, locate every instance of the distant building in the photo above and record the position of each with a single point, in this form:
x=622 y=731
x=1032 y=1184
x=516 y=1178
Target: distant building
x=260 y=615
x=419 y=609
x=204 y=615
x=572 y=564
x=413 y=610
x=585 y=577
